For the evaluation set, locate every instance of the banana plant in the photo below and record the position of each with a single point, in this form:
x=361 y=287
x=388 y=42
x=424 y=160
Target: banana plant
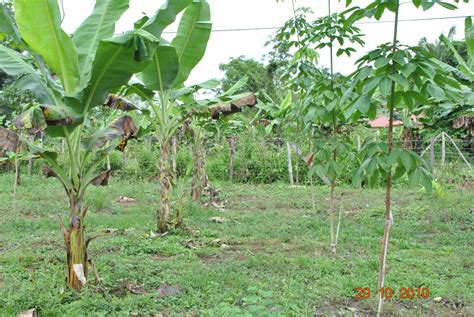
x=171 y=66
x=465 y=69
x=404 y=77
x=70 y=76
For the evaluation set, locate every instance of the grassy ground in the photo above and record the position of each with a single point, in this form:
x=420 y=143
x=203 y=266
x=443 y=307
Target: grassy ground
x=269 y=258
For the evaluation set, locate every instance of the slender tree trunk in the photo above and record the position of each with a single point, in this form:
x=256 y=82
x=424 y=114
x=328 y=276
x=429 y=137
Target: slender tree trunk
x=76 y=247
x=16 y=181
x=290 y=164
x=388 y=213
x=331 y=214
x=232 y=158
x=163 y=218
x=196 y=183
x=203 y=168
x=311 y=183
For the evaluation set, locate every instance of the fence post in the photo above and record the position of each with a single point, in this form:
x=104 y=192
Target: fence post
x=443 y=148
x=432 y=154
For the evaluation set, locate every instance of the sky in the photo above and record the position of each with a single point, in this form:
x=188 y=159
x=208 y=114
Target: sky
x=244 y=14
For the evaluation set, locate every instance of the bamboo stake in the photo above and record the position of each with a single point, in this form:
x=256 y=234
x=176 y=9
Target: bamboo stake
x=290 y=165
x=432 y=155
x=429 y=146
x=443 y=148
x=339 y=220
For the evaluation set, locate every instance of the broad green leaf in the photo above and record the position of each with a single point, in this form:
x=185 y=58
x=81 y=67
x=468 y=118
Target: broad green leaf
x=163 y=70
x=98 y=26
x=15 y=65
x=363 y=104
x=191 y=40
x=426 y=181
x=381 y=62
x=399 y=79
x=39 y=22
x=408 y=69
x=407 y=160
x=7 y=25
x=165 y=16
x=371 y=84
x=114 y=65
x=385 y=86
x=448 y=6
x=469 y=35
x=427 y=4
x=436 y=92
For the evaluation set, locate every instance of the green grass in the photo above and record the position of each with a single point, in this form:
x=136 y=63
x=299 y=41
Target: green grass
x=276 y=261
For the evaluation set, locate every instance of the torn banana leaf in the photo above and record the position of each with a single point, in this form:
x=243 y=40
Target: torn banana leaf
x=120 y=103
x=31 y=120
x=53 y=119
x=123 y=128
x=235 y=106
x=9 y=141
x=102 y=179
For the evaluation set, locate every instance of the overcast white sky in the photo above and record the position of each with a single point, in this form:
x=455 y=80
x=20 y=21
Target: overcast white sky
x=238 y=14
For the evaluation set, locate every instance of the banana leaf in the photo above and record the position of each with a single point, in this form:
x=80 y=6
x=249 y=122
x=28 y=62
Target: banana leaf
x=39 y=22
x=123 y=128
x=115 y=63
x=98 y=26
x=191 y=40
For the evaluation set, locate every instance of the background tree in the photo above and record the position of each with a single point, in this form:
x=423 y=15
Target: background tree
x=260 y=76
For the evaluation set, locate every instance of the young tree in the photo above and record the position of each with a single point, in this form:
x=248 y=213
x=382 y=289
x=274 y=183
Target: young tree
x=321 y=93
x=403 y=77
x=69 y=77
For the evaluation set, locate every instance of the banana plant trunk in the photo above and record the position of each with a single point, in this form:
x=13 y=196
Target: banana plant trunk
x=76 y=247
x=202 y=160
x=163 y=218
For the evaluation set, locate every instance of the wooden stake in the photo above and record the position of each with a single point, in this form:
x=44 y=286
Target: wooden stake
x=290 y=164
x=432 y=154
x=443 y=148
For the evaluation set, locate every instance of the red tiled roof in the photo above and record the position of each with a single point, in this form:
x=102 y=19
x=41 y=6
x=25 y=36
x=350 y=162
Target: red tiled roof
x=382 y=122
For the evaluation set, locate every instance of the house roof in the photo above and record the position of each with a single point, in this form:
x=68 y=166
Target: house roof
x=383 y=122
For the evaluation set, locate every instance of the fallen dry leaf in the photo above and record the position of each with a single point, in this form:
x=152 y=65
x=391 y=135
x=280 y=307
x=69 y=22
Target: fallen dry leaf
x=124 y=200
x=219 y=219
x=169 y=290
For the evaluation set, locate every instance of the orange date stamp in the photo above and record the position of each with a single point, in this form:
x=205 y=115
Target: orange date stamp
x=388 y=293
